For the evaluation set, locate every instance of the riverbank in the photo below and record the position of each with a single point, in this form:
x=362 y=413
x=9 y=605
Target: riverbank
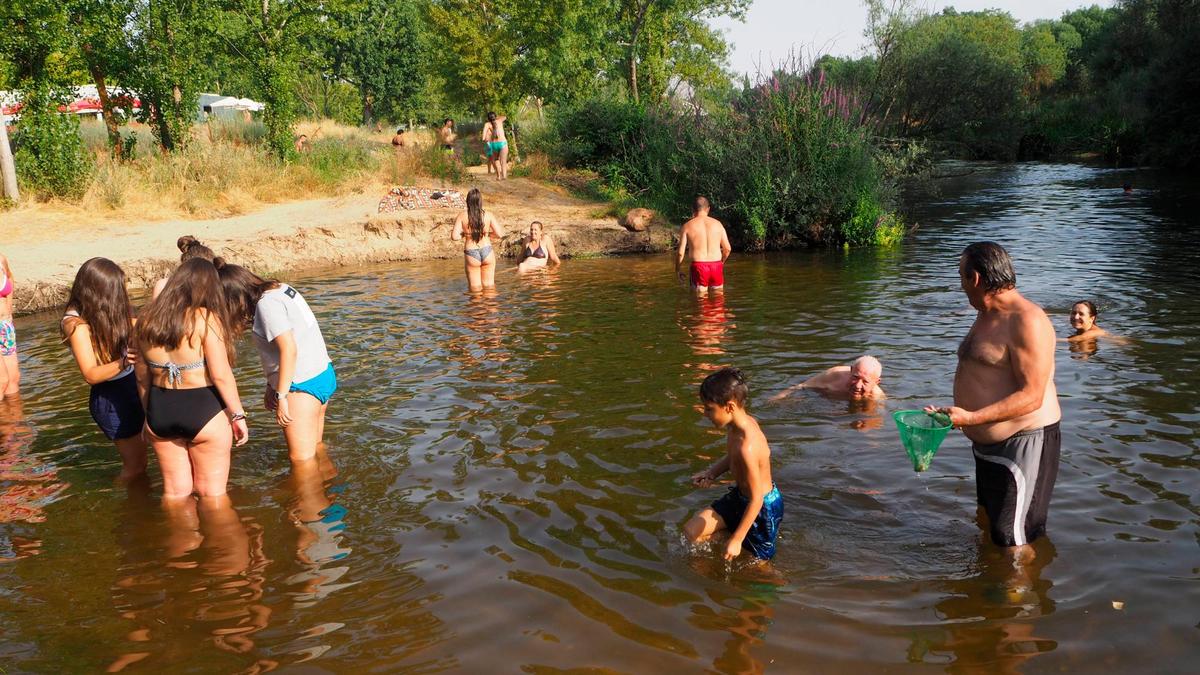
x=45 y=248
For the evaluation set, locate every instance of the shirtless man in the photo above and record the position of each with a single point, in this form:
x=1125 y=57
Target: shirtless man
x=446 y=135
x=400 y=140
x=1004 y=398
x=710 y=248
x=859 y=380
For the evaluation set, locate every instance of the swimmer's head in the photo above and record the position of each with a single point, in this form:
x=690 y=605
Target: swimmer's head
x=401 y=130
x=449 y=121
x=1083 y=316
x=1128 y=187
x=722 y=393
x=700 y=205
x=491 y=116
x=864 y=376
x=984 y=268
x=535 y=229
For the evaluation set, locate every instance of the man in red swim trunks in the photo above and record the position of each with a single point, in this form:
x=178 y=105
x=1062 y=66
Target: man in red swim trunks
x=710 y=247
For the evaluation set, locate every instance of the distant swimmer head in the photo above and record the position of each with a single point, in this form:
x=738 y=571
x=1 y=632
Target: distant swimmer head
x=985 y=266
x=722 y=393
x=491 y=116
x=535 y=229
x=401 y=130
x=864 y=376
x=1083 y=316
x=1128 y=187
x=700 y=205
x=448 y=122
x=190 y=247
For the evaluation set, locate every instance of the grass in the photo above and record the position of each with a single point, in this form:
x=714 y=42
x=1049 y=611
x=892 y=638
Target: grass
x=227 y=170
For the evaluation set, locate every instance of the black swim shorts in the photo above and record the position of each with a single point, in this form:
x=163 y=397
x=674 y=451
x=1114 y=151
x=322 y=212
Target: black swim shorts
x=1013 y=482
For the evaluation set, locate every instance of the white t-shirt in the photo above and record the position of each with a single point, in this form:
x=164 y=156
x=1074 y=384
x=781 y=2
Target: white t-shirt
x=281 y=310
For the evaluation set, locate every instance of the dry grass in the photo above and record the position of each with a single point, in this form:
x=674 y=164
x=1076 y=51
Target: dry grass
x=225 y=172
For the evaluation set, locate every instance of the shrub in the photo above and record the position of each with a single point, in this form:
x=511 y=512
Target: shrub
x=792 y=159
x=49 y=154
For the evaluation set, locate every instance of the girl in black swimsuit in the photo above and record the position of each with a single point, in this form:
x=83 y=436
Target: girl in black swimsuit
x=193 y=411
x=538 y=251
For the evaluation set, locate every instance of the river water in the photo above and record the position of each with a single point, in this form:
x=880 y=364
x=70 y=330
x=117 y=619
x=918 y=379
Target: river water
x=507 y=476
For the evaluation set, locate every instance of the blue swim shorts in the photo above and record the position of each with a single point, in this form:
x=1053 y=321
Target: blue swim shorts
x=761 y=537
x=320 y=387
x=116 y=407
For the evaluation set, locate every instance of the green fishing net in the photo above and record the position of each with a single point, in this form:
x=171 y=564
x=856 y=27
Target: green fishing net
x=921 y=433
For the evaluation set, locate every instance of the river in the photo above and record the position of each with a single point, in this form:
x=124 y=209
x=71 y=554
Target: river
x=507 y=476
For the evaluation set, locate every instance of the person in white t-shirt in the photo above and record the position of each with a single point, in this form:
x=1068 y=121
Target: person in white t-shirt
x=300 y=375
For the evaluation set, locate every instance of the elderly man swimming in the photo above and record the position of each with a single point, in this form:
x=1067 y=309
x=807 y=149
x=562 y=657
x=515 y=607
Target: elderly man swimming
x=859 y=380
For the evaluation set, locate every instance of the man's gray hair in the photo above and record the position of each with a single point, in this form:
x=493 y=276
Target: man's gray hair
x=868 y=363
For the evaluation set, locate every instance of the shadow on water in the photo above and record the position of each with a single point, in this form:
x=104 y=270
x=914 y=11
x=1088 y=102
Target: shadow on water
x=507 y=473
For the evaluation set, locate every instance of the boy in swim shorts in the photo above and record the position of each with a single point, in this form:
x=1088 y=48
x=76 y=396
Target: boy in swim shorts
x=753 y=507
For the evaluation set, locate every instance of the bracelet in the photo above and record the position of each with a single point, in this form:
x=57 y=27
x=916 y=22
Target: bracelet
x=237 y=416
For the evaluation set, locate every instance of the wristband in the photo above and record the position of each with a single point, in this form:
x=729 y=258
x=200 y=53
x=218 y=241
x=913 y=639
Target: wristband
x=280 y=395
x=237 y=416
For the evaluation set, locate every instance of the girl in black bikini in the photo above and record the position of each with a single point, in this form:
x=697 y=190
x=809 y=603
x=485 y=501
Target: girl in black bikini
x=193 y=411
x=538 y=251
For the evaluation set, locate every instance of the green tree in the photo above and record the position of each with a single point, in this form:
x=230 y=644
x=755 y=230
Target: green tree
x=384 y=57
x=269 y=36
x=37 y=42
x=100 y=36
x=170 y=44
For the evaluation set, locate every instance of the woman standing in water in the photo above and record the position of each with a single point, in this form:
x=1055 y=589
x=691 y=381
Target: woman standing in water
x=10 y=372
x=472 y=226
x=300 y=376
x=98 y=327
x=193 y=411
x=538 y=250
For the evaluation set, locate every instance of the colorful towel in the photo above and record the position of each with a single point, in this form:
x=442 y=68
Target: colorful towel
x=420 y=198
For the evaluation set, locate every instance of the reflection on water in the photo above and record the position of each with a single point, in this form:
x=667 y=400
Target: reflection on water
x=507 y=472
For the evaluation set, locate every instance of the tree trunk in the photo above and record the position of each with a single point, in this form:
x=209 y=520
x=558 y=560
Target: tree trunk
x=106 y=107
x=637 y=29
x=368 y=109
x=159 y=121
x=7 y=169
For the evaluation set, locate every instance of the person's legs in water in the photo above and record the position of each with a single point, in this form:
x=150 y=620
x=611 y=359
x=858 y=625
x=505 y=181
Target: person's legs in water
x=703 y=526
x=176 y=467
x=8 y=359
x=304 y=433
x=474 y=273
x=488 y=271
x=209 y=452
x=133 y=457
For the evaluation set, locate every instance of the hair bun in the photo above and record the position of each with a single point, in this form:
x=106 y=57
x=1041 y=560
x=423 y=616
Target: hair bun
x=185 y=242
x=219 y=262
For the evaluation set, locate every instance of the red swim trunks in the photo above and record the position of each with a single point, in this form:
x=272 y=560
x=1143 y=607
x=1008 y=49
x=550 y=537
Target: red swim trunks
x=708 y=274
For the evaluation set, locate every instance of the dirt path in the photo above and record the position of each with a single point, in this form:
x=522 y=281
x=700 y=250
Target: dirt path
x=45 y=249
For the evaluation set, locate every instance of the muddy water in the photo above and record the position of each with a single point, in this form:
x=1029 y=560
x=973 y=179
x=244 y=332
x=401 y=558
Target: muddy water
x=506 y=476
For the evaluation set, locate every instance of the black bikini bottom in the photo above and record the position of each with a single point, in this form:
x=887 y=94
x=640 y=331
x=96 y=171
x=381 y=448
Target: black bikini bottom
x=181 y=413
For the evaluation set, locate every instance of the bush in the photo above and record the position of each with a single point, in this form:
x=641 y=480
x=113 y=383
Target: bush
x=48 y=152
x=790 y=160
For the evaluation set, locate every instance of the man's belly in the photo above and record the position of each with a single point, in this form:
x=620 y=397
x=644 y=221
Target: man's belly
x=976 y=393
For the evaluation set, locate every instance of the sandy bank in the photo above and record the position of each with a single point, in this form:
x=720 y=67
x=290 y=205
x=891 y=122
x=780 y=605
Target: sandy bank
x=45 y=249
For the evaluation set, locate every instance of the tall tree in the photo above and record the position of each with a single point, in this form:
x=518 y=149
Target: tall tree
x=269 y=35
x=384 y=56
x=99 y=30
x=170 y=43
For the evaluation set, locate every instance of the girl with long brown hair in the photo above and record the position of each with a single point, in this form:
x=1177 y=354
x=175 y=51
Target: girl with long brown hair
x=477 y=228
x=98 y=327
x=300 y=375
x=193 y=411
